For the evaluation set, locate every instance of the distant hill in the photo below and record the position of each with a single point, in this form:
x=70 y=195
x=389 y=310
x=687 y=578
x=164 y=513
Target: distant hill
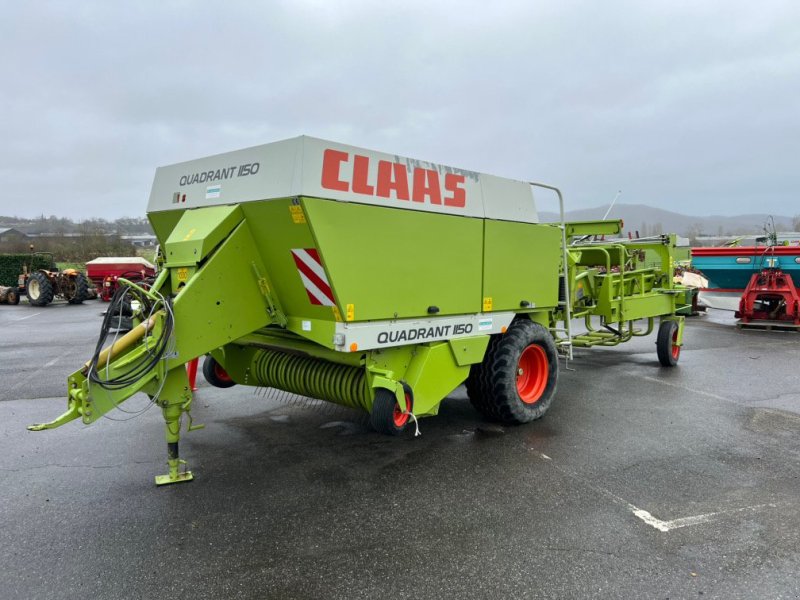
x=648 y=221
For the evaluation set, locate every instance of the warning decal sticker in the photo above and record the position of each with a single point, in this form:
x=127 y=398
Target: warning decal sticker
x=309 y=266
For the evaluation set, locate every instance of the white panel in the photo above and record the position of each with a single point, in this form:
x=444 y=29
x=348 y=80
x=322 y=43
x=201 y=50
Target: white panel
x=508 y=200
x=305 y=166
x=278 y=175
x=385 y=334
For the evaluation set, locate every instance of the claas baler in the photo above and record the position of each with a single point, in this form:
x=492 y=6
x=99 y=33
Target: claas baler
x=370 y=280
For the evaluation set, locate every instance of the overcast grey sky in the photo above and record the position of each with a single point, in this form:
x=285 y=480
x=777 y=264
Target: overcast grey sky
x=689 y=106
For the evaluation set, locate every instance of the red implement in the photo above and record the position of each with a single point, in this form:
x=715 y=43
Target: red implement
x=104 y=272
x=770 y=296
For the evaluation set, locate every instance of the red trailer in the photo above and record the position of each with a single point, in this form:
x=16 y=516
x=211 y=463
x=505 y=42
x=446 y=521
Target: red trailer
x=104 y=272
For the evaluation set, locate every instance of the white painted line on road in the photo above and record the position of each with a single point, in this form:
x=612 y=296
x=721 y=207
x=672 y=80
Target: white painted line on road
x=28 y=317
x=666 y=526
x=645 y=516
x=35 y=373
x=688 y=389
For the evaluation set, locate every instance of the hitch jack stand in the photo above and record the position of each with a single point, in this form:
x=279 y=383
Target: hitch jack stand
x=172 y=417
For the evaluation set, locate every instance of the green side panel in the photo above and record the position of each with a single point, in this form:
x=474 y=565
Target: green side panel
x=222 y=301
x=432 y=375
x=164 y=222
x=198 y=232
x=468 y=351
x=276 y=234
x=654 y=305
x=521 y=263
x=390 y=263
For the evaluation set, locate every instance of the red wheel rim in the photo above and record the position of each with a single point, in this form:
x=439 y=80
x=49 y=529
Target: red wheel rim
x=221 y=373
x=676 y=350
x=533 y=371
x=399 y=417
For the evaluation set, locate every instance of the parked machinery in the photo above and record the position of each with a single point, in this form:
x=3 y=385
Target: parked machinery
x=104 y=272
x=370 y=280
x=42 y=286
x=9 y=295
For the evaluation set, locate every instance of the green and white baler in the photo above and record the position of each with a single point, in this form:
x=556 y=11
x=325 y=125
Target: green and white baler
x=370 y=280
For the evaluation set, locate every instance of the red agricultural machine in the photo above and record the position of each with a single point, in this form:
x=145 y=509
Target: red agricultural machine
x=104 y=272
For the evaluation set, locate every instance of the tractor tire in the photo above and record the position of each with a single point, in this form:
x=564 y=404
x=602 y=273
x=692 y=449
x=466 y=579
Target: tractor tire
x=386 y=416
x=521 y=374
x=668 y=353
x=215 y=374
x=39 y=289
x=81 y=289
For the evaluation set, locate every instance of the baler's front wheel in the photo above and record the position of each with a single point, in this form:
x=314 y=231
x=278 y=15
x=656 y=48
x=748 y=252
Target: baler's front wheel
x=522 y=374
x=387 y=416
x=666 y=344
x=215 y=374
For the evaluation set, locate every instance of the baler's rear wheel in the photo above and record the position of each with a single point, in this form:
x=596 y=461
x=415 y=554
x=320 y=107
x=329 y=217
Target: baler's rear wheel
x=387 y=416
x=477 y=383
x=521 y=374
x=39 y=289
x=666 y=344
x=80 y=291
x=215 y=374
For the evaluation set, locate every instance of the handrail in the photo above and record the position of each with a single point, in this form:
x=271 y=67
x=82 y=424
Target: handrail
x=565 y=266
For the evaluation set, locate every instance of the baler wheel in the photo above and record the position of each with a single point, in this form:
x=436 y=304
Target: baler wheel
x=387 y=416
x=215 y=374
x=477 y=384
x=39 y=289
x=666 y=349
x=522 y=373
x=81 y=289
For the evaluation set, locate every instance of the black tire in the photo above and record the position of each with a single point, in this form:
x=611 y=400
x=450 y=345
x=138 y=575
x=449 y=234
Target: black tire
x=477 y=383
x=39 y=289
x=521 y=374
x=386 y=416
x=123 y=308
x=668 y=353
x=12 y=295
x=119 y=323
x=81 y=289
x=215 y=374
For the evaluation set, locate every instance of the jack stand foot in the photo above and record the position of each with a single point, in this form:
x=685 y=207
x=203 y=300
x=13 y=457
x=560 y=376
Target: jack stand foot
x=167 y=479
x=174 y=475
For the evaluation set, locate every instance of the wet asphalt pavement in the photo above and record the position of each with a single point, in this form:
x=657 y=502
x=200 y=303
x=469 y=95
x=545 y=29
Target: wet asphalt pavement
x=641 y=482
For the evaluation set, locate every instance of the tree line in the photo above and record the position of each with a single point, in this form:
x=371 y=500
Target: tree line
x=61 y=225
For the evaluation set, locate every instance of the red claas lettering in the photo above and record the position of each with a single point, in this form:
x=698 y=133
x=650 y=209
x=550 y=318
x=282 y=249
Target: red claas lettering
x=393 y=180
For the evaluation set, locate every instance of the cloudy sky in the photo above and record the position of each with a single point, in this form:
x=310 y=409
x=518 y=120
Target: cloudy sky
x=689 y=106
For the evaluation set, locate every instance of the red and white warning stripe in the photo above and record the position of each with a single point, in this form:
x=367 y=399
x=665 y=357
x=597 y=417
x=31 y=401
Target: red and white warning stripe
x=312 y=273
